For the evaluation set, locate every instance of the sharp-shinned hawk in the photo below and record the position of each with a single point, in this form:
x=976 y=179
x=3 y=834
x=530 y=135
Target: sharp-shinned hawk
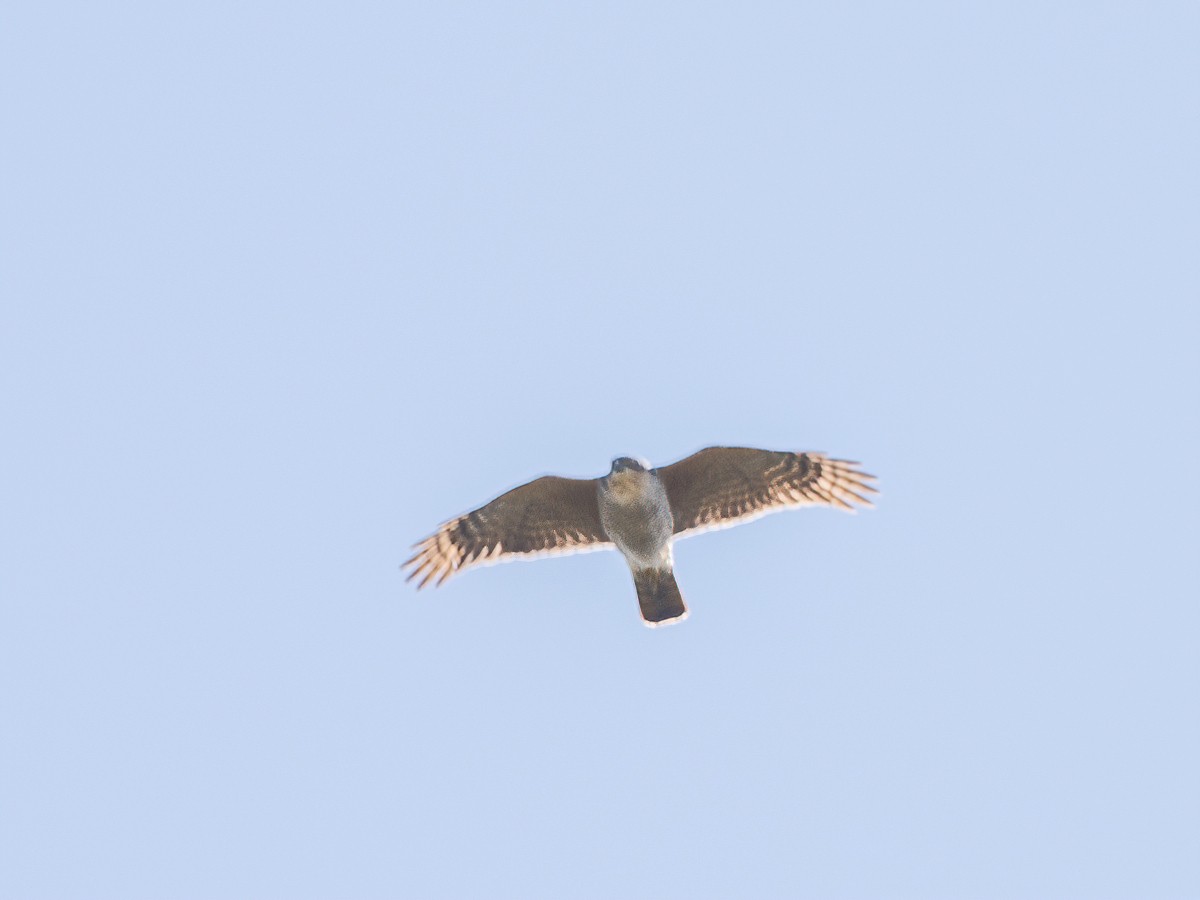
x=639 y=511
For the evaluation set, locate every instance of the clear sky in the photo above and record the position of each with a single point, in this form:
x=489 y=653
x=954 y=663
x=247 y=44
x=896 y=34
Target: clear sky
x=287 y=284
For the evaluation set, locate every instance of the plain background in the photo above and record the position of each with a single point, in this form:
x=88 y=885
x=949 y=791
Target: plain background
x=287 y=284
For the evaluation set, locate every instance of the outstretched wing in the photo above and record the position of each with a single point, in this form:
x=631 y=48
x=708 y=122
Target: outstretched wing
x=722 y=486
x=548 y=515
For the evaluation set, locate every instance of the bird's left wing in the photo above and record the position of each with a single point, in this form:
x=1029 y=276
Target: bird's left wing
x=722 y=486
x=546 y=516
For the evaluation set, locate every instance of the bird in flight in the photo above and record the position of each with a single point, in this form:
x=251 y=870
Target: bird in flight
x=639 y=511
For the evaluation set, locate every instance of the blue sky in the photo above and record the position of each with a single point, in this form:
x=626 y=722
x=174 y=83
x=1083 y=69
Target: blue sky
x=286 y=285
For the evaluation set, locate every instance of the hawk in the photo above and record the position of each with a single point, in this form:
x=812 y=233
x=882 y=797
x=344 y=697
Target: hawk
x=639 y=511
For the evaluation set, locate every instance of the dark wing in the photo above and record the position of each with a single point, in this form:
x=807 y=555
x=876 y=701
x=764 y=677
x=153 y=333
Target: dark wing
x=548 y=515
x=722 y=486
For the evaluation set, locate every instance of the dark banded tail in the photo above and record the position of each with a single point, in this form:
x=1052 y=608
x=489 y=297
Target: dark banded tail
x=659 y=597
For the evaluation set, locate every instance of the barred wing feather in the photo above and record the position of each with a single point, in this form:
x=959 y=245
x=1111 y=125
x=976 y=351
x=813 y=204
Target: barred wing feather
x=549 y=515
x=722 y=486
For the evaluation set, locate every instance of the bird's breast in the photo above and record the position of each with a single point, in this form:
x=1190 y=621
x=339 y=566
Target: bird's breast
x=636 y=516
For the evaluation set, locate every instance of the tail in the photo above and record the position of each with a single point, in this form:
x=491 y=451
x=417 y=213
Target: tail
x=659 y=597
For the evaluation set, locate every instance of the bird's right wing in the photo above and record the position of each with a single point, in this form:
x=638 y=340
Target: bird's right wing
x=722 y=486
x=546 y=516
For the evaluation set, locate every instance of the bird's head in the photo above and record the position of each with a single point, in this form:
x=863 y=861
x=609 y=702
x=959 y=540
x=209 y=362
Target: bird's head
x=628 y=464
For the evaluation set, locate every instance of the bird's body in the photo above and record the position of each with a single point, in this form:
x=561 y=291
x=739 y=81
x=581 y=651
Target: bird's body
x=636 y=516
x=639 y=511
